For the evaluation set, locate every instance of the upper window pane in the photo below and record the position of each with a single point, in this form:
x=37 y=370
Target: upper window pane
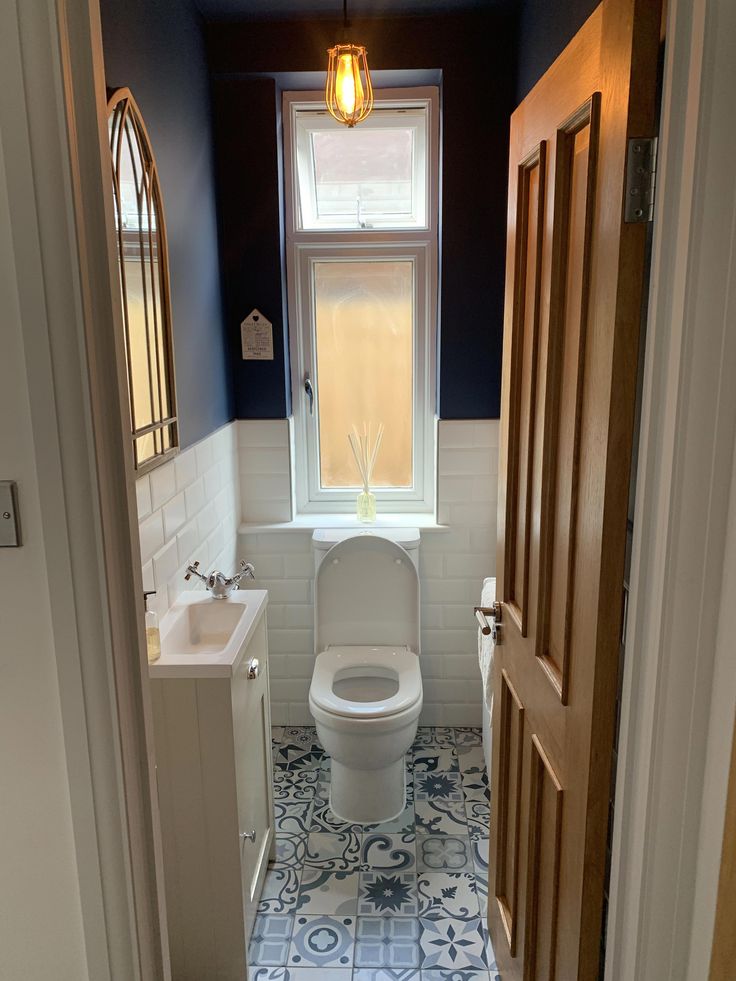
x=370 y=177
x=364 y=174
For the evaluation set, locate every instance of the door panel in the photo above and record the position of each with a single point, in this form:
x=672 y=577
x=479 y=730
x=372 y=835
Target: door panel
x=573 y=304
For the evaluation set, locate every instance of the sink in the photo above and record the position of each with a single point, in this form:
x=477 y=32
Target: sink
x=204 y=637
x=205 y=627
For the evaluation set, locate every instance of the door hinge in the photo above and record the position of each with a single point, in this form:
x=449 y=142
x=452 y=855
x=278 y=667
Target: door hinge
x=641 y=172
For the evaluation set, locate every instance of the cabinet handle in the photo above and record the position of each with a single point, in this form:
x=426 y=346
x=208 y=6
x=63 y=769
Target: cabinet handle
x=248 y=836
x=254 y=669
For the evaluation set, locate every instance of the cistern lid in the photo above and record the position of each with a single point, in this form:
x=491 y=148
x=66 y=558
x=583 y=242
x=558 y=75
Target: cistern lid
x=366 y=592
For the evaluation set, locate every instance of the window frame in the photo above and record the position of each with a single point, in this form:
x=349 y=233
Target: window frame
x=303 y=248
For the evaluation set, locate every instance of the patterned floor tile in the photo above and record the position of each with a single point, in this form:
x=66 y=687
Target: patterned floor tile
x=438 y=786
x=401 y=825
x=290 y=851
x=322 y=941
x=437 y=974
x=301 y=974
x=430 y=759
x=328 y=893
x=471 y=759
x=434 y=736
x=448 y=894
x=478 y=814
x=292 y=816
x=270 y=939
x=277 y=733
x=385 y=974
x=475 y=786
x=299 y=756
x=440 y=817
x=333 y=852
x=381 y=852
x=387 y=942
x=453 y=944
x=280 y=891
x=295 y=786
x=479 y=849
x=325 y=820
x=387 y=894
x=306 y=735
x=469 y=737
x=445 y=853
x=490 y=957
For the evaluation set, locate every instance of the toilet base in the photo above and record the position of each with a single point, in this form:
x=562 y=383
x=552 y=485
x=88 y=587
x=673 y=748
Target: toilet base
x=368 y=796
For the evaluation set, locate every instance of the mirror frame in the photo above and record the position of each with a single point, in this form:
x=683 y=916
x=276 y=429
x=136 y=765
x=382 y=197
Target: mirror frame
x=121 y=101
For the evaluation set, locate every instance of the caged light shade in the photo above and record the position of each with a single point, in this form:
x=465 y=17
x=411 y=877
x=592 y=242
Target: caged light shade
x=348 y=90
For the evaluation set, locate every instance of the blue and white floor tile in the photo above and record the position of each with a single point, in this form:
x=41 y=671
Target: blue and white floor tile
x=404 y=900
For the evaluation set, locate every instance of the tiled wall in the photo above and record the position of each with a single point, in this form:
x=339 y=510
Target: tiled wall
x=453 y=563
x=189 y=509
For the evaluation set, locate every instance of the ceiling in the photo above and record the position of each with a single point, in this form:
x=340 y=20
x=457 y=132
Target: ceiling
x=282 y=9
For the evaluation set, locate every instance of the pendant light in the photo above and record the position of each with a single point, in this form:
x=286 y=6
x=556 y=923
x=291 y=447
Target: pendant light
x=348 y=90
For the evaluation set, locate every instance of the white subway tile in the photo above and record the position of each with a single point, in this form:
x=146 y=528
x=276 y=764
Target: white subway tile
x=165 y=564
x=441 y=591
x=471 y=515
x=264 y=487
x=463 y=715
x=206 y=520
x=291 y=641
x=148 y=581
x=143 y=496
x=212 y=482
x=487 y=432
x=467 y=566
x=457 y=433
x=299 y=616
x=263 y=432
x=443 y=641
x=432 y=715
x=265 y=460
x=186 y=543
x=468 y=462
x=195 y=498
x=288 y=590
x=452 y=489
x=163 y=484
x=185 y=469
x=268 y=566
x=264 y=512
x=298 y=566
x=175 y=515
x=151 y=531
x=205 y=455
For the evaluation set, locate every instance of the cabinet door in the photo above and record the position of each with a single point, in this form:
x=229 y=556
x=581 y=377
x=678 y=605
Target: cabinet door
x=252 y=734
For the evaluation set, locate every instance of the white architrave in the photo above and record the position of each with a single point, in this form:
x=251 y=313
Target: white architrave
x=680 y=676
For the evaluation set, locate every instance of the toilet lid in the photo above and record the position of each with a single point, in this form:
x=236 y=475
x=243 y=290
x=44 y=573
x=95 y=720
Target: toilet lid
x=349 y=662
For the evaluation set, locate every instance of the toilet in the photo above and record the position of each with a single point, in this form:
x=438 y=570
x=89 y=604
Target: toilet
x=366 y=690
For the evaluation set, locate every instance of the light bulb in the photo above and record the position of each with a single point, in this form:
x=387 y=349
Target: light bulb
x=348 y=88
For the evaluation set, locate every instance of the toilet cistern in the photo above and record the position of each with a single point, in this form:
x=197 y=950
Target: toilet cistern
x=218 y=583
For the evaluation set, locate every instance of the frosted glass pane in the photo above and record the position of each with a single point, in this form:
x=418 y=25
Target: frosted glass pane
x=364 y=316
x=369 y=170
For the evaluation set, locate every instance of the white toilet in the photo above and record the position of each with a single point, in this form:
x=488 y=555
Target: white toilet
x=366 y=691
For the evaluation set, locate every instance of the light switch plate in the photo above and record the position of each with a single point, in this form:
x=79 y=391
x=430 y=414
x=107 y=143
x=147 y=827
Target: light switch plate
x=9 y=515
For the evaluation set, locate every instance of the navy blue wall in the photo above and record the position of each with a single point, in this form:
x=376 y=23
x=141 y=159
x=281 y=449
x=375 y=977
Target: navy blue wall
x=545 y=28
x=157 y=50
x=476 y=56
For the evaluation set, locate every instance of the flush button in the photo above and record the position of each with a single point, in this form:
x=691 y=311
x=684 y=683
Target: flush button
x=9 y=515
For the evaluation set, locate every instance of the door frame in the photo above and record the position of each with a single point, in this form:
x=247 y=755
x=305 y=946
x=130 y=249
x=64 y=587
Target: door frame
x=62 y=229
x=679 y=689
x=677 y=661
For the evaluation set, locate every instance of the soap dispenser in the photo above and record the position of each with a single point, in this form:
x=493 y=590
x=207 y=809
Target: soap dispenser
x=153 y=634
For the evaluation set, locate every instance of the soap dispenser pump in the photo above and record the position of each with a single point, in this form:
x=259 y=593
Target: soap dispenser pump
x=153 y=634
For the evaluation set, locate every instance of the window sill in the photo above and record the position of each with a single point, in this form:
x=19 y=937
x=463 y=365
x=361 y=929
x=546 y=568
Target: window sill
x=308 y=522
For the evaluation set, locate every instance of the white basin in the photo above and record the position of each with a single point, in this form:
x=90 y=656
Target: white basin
x=205 y=637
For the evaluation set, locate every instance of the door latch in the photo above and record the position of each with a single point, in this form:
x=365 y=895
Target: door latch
x=484 y=614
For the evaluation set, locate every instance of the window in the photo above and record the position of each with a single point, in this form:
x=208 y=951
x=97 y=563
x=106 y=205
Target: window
x=362 y=271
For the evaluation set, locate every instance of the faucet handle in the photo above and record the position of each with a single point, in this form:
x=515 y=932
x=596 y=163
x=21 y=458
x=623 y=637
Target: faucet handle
x=192 y=569
x=246 y=571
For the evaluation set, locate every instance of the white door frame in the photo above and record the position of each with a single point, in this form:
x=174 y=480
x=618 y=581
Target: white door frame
x=679 y=688
x=679 y=673
x=52 y=108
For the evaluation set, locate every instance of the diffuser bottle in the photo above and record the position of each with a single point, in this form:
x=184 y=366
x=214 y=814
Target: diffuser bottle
x=153 y=634
x=365 y=506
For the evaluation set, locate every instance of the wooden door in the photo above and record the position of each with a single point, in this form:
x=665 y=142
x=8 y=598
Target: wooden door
x=575 y=278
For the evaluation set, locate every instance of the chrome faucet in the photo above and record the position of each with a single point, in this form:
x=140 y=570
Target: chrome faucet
x=218 y=583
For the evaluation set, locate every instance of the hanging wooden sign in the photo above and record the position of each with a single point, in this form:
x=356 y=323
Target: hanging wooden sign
x=256 y=337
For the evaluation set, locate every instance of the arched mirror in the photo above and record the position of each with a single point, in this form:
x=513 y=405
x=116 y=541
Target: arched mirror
x=140 y=229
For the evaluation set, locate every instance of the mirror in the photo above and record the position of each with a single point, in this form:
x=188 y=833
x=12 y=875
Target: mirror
x=140 y=230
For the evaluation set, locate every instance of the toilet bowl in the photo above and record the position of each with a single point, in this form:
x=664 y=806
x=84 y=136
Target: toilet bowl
x=366 y=690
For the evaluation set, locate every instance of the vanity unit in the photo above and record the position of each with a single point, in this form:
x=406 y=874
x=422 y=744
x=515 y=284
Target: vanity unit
x=213 y=748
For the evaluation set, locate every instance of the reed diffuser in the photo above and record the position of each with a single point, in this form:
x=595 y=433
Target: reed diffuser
x=365 y=452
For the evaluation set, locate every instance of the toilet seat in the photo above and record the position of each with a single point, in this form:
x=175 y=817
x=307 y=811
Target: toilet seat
x=399 y=663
